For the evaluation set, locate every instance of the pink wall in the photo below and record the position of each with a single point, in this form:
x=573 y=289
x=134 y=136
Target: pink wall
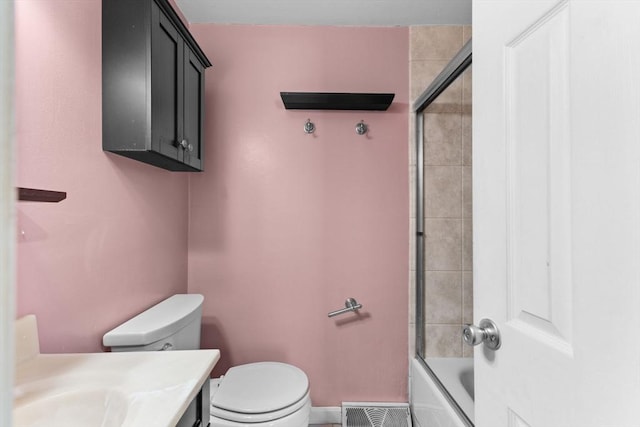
x=118 y=244
x=284 y=226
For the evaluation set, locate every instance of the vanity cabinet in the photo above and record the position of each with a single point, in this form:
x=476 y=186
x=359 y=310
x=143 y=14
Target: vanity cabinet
x=152 y=85
x=197 y=413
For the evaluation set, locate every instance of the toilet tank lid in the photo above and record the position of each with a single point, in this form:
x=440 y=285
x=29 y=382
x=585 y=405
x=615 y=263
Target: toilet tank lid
x=156 y=323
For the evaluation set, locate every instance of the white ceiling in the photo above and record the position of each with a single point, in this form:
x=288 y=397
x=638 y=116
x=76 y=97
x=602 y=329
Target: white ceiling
x=328 y=12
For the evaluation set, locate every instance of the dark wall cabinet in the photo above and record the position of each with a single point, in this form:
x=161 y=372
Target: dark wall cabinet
x=152 y=85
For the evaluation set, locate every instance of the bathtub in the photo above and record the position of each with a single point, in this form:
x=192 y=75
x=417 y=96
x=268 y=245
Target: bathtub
x=430 y=405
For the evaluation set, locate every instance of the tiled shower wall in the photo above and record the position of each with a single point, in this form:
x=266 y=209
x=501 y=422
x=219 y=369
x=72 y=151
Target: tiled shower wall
x=448 y=244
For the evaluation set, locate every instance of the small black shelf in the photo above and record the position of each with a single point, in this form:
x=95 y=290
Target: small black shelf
x=35 y=195
x=336 y=101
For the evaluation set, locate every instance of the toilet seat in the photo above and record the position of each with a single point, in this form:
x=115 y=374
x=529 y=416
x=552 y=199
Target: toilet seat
x=260 y=392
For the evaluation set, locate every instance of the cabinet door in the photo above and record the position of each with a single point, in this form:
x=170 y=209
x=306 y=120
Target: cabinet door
x=193 y=109
x=167 y=53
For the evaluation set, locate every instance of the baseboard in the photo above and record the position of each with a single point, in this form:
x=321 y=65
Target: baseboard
x=325 y=415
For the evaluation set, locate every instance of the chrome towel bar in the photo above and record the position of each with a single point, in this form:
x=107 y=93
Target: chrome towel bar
x=350 y=304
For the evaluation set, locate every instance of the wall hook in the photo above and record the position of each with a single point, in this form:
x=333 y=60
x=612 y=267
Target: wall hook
x=309 y=127
x=361 y=128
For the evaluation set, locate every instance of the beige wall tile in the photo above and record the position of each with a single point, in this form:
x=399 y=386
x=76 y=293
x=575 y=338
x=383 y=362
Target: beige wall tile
x=467 y=297
x=443 y=297
x=443 y=139
x=467 y=146
x=443 y=191
x=443 y=340
x=422 y=74
x=466 y=34
x=467 y=192
x=443 y=244
x=467 y=245
x=435 y=42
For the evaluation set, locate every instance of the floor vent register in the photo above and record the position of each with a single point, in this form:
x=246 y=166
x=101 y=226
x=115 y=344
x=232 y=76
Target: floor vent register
x=361 y=414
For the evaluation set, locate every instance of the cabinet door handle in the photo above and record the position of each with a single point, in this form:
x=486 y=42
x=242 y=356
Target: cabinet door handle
x=184 y=144
x=190 y=147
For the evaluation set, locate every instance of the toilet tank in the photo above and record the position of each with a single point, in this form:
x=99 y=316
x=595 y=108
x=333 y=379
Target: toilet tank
x=173 y=324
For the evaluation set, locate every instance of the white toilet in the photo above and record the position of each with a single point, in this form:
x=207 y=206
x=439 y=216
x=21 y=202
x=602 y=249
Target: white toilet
x=257 y=394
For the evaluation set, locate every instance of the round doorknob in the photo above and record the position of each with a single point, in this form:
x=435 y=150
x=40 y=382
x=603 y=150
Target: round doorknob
x=184 y=144
x=472 y=335
x=487 y=332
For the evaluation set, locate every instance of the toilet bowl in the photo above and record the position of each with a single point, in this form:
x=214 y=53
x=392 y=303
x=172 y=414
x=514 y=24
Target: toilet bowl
x=256 y=394
x=261 y=394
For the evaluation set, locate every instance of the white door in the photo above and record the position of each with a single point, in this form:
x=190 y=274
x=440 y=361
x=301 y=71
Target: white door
x=556 y=166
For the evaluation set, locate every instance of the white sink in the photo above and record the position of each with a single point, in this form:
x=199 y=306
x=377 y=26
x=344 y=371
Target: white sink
x=127 y=389
x=104 y=408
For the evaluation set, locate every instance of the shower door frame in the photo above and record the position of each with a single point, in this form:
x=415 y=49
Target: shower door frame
x=454 y=69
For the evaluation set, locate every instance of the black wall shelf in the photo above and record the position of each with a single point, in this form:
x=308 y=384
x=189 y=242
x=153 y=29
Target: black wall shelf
x=35 y=195
x=336 y=101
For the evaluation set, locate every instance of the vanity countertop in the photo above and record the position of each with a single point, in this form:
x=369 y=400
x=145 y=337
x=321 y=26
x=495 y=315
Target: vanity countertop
x=108 y=389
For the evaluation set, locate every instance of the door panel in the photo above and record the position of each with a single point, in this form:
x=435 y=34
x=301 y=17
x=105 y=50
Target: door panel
x=557 y=211
x=538 y=180
x=166 y=104
x=193 y=108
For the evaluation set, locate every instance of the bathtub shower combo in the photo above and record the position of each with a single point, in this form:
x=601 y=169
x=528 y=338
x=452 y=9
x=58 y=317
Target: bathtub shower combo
x=442 y=389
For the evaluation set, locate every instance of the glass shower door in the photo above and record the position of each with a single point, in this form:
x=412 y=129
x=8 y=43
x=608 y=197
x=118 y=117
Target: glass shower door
x=444 y=255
